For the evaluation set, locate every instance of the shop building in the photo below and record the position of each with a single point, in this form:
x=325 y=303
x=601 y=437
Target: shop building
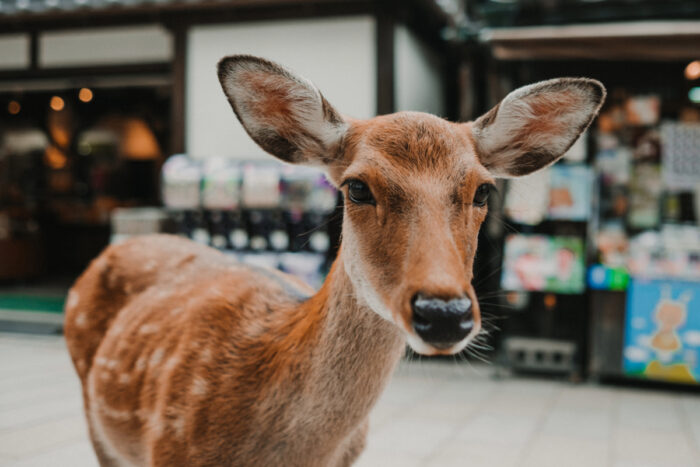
x=589 y=269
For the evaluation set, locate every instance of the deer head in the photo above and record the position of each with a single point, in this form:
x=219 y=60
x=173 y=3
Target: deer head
x=415 y=185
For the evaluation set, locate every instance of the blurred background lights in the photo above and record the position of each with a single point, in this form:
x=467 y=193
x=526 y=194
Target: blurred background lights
x=694 y=94
x=692 y=71
x=57 y=103
x=85 y=95
x=13 y=107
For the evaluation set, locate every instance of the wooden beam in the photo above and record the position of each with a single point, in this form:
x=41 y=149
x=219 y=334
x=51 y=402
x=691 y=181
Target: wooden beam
x=34 y=51
x=644 y=40
x=85 y=72
x=649 y=49
x=637 y=29
x=206 y=11
x=385 y=50
x=177 y=100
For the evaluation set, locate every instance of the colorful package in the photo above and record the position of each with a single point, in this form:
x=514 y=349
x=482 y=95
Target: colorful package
x=662 y=330
x=542 y=263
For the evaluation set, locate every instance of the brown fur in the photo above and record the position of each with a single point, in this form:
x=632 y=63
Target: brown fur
x=255 y=347
x=188 y=358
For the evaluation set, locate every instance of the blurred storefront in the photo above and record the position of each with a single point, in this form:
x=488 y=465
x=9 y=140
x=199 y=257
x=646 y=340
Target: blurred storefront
x=591 y=268
x=96 y=95
x=600 y=254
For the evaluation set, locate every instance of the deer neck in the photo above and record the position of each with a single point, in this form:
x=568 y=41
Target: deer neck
x=357 y=349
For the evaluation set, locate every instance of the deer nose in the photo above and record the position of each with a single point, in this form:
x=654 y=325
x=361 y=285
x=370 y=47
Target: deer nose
x=442 y=322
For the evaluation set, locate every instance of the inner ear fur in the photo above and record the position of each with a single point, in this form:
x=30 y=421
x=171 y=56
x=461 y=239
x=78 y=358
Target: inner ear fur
x=533 y=126
x=283 y=113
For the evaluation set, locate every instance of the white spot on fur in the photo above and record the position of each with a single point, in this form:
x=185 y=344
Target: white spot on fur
x=116 y=329
x=156 y=425
x=140 y=364
x=171 y=363
x=72 y=300
x=178 y=426
x=81 y=320
x=156 y=357
x=107 y=363
x=81 y=365
x=111 y=412
x=93 y=414
x=176 y=311
x=124 y=378
x=105 y=375
x=101 y=263
x=150 y=265
x=163 y=294
x=206 y=355
x=199 y=386
x=149 y=328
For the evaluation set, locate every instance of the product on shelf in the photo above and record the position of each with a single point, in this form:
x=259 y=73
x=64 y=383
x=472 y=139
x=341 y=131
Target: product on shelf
x=601 y=277
x=645 y=197
x=681 y=155
x=306 y=189
x=642 y=110
x=221 y=184
x=262 y=213
x=527 y=198
x=562 y=192
x=569 y=192
x=674 y=252
x=543 y=263
x=613 y=244
x=662 y=330
x=182 y=178
x=261 y=185
x=129 y=222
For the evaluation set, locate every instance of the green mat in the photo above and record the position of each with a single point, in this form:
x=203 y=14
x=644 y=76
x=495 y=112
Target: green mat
x=24 y=302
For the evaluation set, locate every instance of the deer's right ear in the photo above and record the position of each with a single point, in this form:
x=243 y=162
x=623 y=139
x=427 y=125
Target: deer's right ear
x=284 y=113
x=535 y=125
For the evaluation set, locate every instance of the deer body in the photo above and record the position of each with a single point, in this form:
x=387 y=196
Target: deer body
x=204 y=361
x=188 y=358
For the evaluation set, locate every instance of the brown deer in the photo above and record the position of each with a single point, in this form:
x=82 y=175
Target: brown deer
x=189 y=359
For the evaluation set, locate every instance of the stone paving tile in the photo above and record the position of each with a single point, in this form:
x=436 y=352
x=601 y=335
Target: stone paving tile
x=433 y=414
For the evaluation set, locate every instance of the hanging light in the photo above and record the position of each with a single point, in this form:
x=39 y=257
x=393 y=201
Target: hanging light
x=57 y=103
x=85 y=94
x=13 y=107
x=692 y=71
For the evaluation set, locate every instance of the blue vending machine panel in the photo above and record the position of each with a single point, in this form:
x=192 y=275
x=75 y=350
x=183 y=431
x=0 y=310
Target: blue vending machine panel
x=662 y=330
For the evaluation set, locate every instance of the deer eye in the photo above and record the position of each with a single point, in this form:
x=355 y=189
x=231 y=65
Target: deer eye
x=482 y=195
x=359 y=192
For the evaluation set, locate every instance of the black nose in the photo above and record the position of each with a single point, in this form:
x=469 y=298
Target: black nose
x=442 y=322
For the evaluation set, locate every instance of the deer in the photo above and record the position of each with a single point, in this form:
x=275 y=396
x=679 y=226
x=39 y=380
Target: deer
x=189 y=358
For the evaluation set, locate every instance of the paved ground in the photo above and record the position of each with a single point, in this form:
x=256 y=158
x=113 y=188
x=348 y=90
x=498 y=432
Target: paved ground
x=433 y=414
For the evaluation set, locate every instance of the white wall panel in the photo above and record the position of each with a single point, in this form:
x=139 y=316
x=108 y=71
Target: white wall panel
x=105 y=46
x=337 y=54
x=14 y=51
x=419 y=84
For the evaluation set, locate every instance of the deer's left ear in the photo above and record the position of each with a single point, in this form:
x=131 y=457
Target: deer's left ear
x=535 y=125
x=284 y=113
